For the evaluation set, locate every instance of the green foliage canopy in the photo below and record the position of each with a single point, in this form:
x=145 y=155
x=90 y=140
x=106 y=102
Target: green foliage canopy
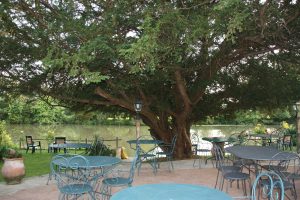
x=185 y=59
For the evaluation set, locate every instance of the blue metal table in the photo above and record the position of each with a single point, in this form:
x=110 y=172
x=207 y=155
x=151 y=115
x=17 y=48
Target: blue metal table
x=170 y=191
x=100 y=165
x=260 y=153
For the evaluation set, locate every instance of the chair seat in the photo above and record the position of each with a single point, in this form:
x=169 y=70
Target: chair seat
x=76 y=189
x=287 y=184
x=116 y=181
x=203 y=150
x=290 y=175
x=236 y=175
x=227 y=169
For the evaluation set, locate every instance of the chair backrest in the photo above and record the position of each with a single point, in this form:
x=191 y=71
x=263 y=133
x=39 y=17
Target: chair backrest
x=195 y=141
x=219 y=156
x=60 y=140
x=173 y=144
x=287 y=139
x=195 y=138
x=29 y=140
x=274 y=183
x=70 y=172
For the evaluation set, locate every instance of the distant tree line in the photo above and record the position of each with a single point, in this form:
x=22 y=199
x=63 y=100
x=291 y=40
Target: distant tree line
x=33 y=110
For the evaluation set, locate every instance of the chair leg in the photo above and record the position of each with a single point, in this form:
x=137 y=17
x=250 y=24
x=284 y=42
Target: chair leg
x=171 y=162
x=217 y=179
x=33 y=150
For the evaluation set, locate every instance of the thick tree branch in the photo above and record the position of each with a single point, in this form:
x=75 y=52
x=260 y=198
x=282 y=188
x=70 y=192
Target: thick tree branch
x=181 y=86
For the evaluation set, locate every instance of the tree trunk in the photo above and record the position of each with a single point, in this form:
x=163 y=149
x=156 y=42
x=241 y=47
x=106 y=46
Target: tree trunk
x=183 y=148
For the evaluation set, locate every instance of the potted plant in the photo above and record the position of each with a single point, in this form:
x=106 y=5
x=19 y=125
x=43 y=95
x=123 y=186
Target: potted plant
x=13 y=169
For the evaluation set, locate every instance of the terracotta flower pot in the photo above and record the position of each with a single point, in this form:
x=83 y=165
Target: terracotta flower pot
x=13 y=170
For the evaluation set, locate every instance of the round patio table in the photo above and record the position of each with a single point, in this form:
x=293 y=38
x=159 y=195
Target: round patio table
x=260 y=153
x=97 y=161
x=170 y=191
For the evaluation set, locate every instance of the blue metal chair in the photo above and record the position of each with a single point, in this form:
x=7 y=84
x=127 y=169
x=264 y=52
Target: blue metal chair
x=168 y=151
x=72 y=176
x=271 y=185
x=119 y=178
x=146 y=155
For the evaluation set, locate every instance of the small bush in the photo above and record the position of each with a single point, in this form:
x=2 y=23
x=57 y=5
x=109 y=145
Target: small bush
x=100 y=149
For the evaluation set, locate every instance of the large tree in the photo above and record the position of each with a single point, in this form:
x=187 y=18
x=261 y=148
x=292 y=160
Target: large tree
x=184 y=59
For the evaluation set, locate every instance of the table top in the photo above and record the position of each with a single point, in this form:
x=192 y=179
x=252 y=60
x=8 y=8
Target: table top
x=170 y=191
x=217 y=139
x=260 y=153
x=145 y=141
x=98 y=161
x=71 y=145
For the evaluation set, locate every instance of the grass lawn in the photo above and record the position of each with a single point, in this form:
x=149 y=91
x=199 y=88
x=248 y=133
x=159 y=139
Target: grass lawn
x=35 y=164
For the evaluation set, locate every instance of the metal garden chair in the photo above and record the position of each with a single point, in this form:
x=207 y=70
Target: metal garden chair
x=269 y=185
x=198 y=147
x=119 y=178
x=71 y=176
x=227 y=172
x=148 y=155
x=280 y=164
x=168 y=151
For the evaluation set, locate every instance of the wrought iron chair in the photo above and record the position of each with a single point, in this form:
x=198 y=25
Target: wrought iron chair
x=148 y=155
x=271 y=185
x=71 y=175
x=282 y=167
x=32 y=144
x=168 y=151
x=294 y=174
x=198 y=147
x=227 y=172
x=287 y=142
x=119 y=178
x=280 y=164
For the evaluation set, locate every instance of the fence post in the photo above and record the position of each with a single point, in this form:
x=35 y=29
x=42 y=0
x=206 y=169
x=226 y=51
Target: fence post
x=117 y=142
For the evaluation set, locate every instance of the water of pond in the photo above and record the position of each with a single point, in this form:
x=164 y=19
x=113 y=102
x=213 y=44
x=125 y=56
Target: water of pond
x=82 y=132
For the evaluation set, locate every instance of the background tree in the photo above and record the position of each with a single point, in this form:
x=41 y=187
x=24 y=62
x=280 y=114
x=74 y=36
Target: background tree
x=184 y=59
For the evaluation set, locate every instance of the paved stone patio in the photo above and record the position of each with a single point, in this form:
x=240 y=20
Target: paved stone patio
x=36 y=188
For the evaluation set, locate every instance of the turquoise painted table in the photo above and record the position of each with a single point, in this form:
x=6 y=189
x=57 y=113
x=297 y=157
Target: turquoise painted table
x=170 y=191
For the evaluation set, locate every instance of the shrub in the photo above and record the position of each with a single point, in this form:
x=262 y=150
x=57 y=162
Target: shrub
x=99 y=148
x=260 y=129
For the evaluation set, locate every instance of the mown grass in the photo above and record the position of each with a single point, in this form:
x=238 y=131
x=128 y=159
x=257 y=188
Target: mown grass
x=35 y=164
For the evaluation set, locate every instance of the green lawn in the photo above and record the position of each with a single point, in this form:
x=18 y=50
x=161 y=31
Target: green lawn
x=35 y=164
